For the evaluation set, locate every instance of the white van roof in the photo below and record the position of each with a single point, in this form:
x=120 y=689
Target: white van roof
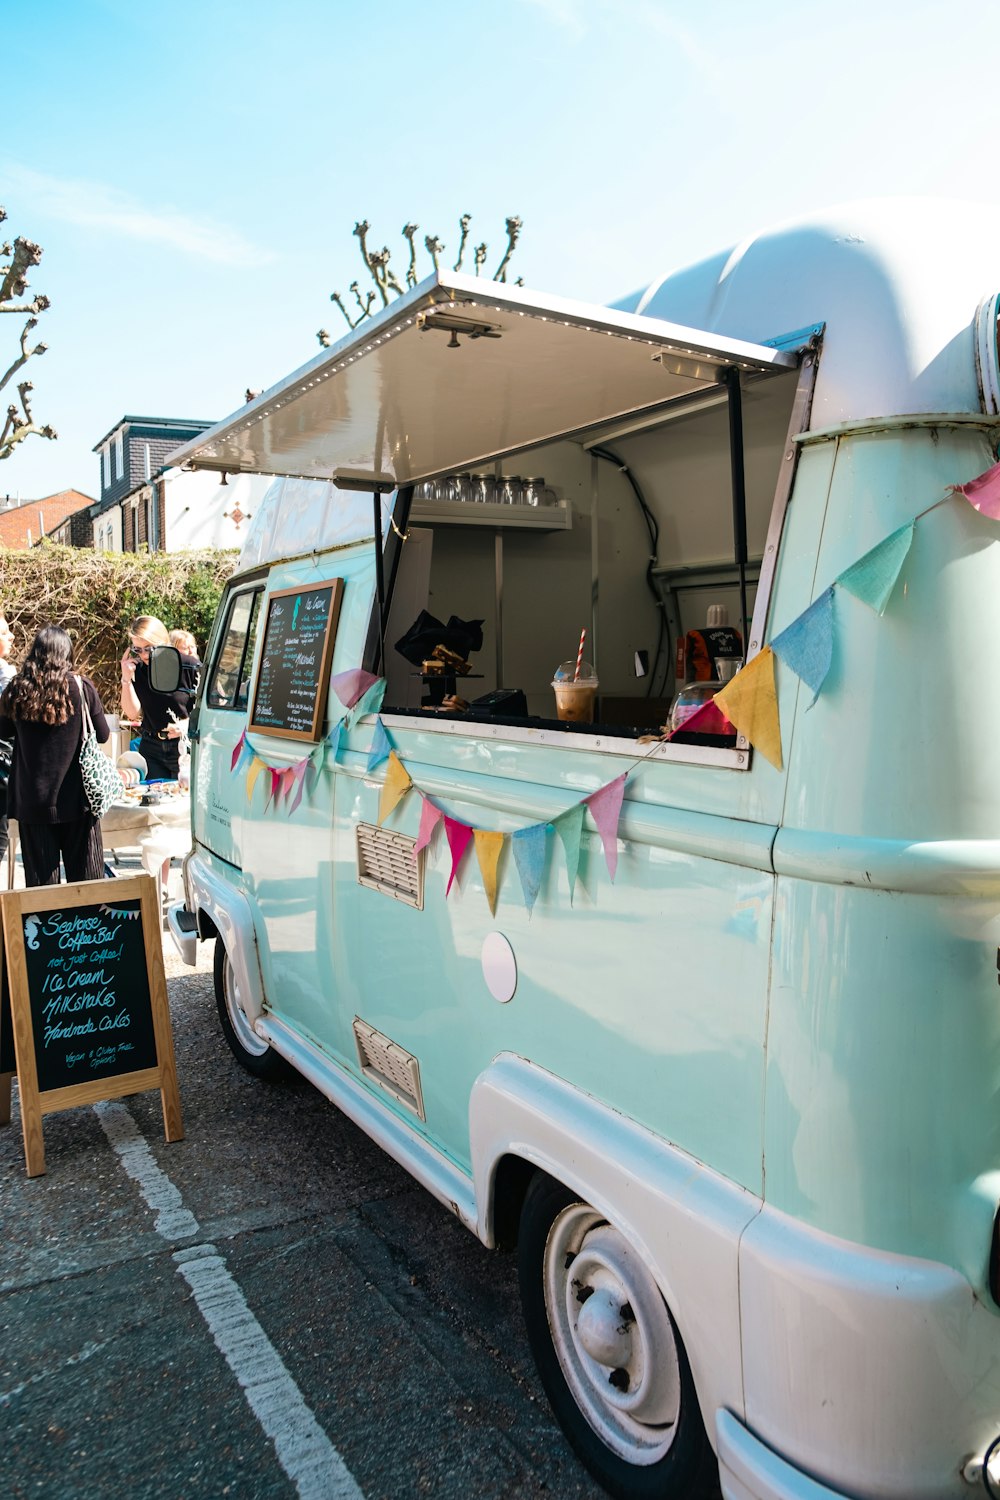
x=462 y=370
x=896 y=281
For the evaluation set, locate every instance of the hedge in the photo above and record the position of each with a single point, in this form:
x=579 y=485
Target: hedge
x=95 y=595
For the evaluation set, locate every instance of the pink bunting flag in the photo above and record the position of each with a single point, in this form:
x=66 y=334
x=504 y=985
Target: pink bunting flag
x=606 y=809
x=983 y=494
x=299 y=774
x=430 y=816
x=287 y=782
x=238 y=749
x=708 y=719
x=459 y=836
x=275 y=782
x=352 y=685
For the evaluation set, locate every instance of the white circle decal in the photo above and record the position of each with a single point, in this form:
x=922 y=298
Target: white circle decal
x=499 y=967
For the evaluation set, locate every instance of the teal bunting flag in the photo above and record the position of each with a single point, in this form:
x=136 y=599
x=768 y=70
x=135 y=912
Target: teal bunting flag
x=873 y=577
x=528 y=845
x=370 y=701
x=569 y=827
x=334 y=737
x=806 y=646
x=381 y=745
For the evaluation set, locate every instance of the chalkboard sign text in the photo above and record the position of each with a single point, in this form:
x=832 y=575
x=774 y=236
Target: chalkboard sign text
x=87 y=1002
x=295 y=661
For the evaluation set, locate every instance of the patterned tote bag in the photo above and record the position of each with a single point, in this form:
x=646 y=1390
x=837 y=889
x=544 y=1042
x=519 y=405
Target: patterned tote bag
x=101 y=783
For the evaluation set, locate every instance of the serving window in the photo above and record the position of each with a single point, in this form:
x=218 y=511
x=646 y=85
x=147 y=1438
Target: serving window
x=627 y=532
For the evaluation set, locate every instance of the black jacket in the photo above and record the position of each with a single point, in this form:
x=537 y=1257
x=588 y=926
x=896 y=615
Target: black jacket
x=46 y=785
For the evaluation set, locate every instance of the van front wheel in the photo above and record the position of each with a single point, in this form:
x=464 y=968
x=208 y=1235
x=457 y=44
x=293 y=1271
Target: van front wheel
x=250 y=1050
x=608 y=1353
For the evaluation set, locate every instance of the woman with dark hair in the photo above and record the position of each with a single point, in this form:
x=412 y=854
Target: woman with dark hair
x=41 y=710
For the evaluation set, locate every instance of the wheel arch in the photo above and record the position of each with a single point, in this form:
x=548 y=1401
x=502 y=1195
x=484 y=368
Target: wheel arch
x=684 y=1220
x=224 y=911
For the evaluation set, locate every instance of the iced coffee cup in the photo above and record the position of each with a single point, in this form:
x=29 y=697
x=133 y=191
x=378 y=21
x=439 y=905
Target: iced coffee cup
x=576 y=692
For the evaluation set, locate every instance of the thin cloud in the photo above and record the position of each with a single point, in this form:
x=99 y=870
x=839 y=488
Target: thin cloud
x=637 y=19
x=569 y=14
x=95 y=205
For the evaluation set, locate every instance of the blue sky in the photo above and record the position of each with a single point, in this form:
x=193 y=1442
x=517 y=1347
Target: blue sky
x=194 y=170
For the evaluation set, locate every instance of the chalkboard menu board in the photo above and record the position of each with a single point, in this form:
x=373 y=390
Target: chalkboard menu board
x=87 y=1000
x=91 y=1015
x=295 y=660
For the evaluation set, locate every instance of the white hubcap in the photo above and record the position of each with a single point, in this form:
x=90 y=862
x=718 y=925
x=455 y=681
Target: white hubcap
x=613 y=1336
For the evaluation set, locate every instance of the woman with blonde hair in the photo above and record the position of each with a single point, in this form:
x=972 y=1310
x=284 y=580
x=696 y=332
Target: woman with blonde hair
x=160 y=714
x=185 y=643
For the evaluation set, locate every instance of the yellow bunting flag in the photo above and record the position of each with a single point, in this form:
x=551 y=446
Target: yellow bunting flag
x=750 y=702
x=395 y=787
x=256 y=766
x=488 y=849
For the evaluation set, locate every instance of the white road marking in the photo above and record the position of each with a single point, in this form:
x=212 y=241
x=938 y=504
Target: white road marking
x=303 y=1449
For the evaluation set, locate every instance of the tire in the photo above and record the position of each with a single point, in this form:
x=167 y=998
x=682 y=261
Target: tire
x=617 y=1377
x=250 y=1051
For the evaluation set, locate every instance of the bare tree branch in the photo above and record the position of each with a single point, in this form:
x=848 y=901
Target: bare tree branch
x=513 y=234
x=409 y=230
x=463 y=225
x=22 y=255
x=15 y=281
x=377 y=264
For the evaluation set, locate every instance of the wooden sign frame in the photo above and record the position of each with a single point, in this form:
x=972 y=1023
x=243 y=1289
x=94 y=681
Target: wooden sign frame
x=35 y=1104
x=315 y=734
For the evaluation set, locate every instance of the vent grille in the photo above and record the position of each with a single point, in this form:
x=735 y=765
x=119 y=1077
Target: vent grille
x=387 y=863
x=387 y=1064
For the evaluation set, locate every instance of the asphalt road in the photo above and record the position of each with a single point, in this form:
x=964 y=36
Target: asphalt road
x=270 y=1307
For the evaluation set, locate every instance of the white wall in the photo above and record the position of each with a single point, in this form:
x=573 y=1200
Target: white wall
x=199 y=508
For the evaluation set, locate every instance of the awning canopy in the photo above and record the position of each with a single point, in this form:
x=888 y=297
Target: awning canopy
x=462 y=370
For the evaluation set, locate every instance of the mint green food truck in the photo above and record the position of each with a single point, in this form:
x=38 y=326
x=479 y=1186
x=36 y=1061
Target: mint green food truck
x=704 y=1019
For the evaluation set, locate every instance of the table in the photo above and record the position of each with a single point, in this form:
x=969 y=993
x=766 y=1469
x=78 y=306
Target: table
x=159 y=832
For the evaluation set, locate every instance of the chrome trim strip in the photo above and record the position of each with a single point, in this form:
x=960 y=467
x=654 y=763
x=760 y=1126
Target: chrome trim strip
x=869 y=425
x=932 y=867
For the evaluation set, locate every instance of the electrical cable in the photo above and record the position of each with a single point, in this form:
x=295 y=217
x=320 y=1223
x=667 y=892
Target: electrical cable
x=652 y=527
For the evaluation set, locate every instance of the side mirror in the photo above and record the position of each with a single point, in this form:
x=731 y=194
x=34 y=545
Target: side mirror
x=164 y=669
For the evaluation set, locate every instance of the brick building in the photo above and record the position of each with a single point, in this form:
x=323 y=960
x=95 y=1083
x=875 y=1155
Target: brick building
x=62 y=517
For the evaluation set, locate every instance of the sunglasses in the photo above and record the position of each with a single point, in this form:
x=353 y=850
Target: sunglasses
x=139 y=651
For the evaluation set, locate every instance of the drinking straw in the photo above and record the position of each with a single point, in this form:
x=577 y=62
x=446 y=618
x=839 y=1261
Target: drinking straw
x=579 y=654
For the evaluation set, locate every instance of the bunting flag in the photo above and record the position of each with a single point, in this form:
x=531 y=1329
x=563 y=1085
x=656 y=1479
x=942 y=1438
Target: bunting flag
x=750 y=701
x=430 y=817
x=806 y=646
x=458 y=836
x=873 y=577
x=708 y=719
x=605 y=809
x=395 y=787
x=489 y=847
x=381 y=746
x=276 y=777
x=983 y=494
x=299 y=771
x=349 y=686
x=371 y=700
x=288 y=779
x=528 y=845
x=256 y=766
x=238 y=750
x=333 y=739
x=569 y=827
